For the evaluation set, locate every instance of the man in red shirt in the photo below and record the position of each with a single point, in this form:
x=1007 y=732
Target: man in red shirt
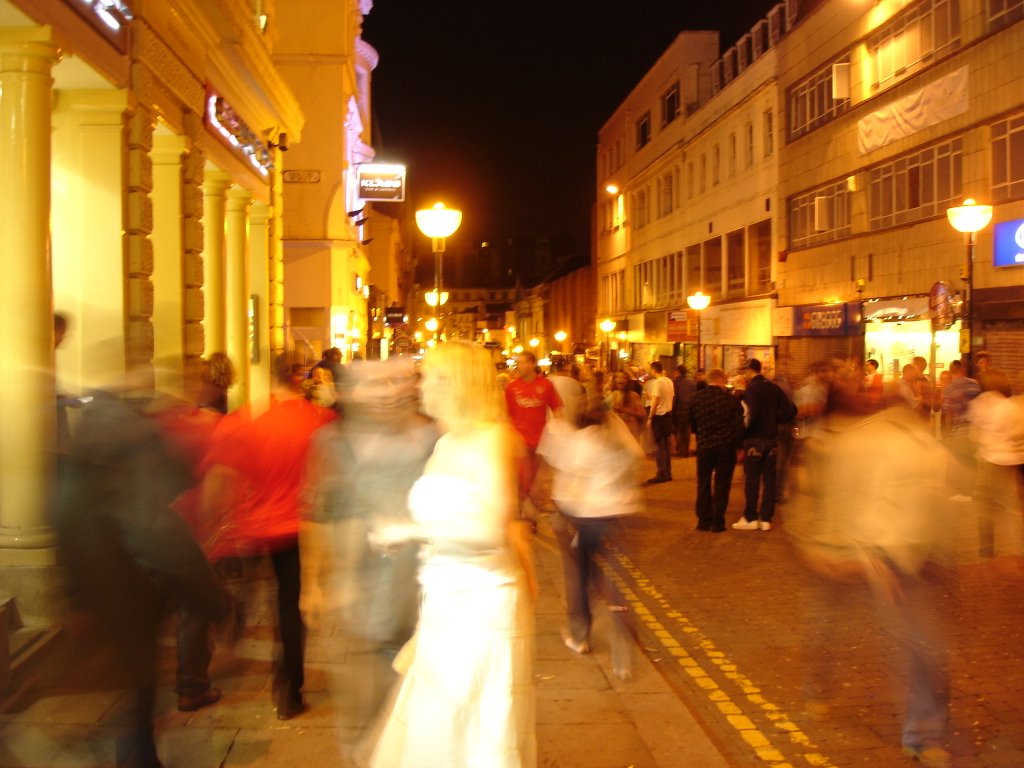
x=529 y=398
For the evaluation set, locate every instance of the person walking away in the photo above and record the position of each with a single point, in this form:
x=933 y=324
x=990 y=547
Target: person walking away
x=717 y=420
x=594 y=486
x=766 y=406
x=659 y=419
x=570 y=391
x=684 y=388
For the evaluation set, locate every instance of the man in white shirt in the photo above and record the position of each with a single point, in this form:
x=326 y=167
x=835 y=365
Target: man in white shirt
x=659 y=419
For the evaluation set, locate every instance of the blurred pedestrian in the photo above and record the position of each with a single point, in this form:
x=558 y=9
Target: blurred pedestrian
x=873 y=383
x=360 y=472
x=684 y=389
x=893 y=539
x=997 y=431
x=217 y=376
x=717 y=421
x=570 y=391
x=956 y=400
x=595 y=469
x=256 y=472
x=530 y=398
x=765 y=407
x=466 y=697
x=127 y=554
x=625 y=403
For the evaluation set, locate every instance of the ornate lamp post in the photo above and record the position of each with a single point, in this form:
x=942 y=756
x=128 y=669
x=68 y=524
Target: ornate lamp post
x=438 y=223
x=699 y=302
x=969 y=218
x=607 y=325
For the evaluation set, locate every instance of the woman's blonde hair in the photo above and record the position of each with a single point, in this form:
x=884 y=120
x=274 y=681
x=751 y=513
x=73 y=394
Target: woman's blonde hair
x=217 y=370
x=472 y=381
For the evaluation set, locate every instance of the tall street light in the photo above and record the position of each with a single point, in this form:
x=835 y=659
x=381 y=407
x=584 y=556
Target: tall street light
x=560 y=337
x=607 y=325
x=969 y=218
x=699 y=302
x=437 y=223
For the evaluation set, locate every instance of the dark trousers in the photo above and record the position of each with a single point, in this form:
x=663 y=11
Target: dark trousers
x=714 y=466
x=288 y=676
x=195 y=650
x=661 y=427
x=759 y=465
x=681 y=420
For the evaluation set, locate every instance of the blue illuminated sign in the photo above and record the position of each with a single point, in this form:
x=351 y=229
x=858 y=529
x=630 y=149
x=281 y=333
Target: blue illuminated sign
x=1009 y=244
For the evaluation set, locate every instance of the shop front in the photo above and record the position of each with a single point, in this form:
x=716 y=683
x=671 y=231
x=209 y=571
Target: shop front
x=733 y=333
x=811 y=333
x=897 y=330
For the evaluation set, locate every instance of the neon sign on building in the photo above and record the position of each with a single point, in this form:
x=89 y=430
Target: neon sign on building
x=236 y=134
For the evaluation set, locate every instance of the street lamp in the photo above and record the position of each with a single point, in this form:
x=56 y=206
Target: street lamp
x=699 y=302
x=437 y=223
x=607 y=325
x=560 y=337
x=969 y=218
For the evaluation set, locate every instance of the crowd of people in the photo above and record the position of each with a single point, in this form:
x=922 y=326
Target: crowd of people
x=400 y=500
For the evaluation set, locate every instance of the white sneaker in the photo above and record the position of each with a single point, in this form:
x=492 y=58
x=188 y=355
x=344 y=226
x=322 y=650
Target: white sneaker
x=765 y=525
x=572 y=645
x=746 y=525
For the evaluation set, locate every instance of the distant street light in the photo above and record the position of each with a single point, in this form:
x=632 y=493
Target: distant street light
x=438 y=223
x=699 y=302
x=607 y=326
x=969 y=218
x=560 y=337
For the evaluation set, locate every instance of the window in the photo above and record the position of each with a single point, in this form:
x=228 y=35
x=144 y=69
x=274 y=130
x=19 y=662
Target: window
x=713 y=267
x=819 y=216
x=690 y=180
x=1008 y=158
x=759 y=248
x=676 y=280
x=670 y=105
x=769 y=133
x=921 y=33
x=667 y=202
x=748 y=153
x=703 y=172
x=716 y=166
x=1002 y=13
x=643 y=130
x=613 y=294
x=736 y=262
x=732 y=155
x=810 y=102
x=618 y=211
x=641 y=214
x=694 y=278
x=916 y=186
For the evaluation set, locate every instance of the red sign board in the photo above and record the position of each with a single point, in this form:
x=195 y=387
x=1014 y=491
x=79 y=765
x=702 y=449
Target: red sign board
x=682 y=325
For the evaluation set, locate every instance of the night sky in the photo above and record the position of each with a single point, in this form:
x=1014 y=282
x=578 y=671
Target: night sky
x=494 y=106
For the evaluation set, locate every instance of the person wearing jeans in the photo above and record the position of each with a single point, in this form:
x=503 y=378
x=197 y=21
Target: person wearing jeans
x=660 y=421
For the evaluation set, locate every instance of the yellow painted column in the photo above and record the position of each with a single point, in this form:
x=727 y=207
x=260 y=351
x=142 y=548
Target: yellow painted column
x=215 y=189
x=27 y=405
x=168 y=274
x=259 y=286
x=236 y=293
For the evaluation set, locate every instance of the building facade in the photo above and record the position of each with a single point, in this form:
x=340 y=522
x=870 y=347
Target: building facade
x=902 y=110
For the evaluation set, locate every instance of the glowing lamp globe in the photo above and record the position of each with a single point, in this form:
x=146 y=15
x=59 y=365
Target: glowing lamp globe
x=969 y=217
x=438 y=221
x=698 y=301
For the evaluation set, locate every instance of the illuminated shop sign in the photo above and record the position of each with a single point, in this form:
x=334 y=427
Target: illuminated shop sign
x=1009 y=244
x=824 y=320
x=381 y=183
x=233 y=131
x=111 y=18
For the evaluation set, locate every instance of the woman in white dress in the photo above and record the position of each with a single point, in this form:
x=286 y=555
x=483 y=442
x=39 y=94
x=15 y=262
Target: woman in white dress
x=467 y=696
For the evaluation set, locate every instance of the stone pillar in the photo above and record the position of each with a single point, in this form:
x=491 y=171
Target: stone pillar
x=168 y=272
x=27 y=404
x=259 y=284
x=236 y=293
x=215 y=189
x=192 y=178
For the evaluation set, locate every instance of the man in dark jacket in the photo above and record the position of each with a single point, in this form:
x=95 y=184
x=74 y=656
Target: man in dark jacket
x=717 y=420
x=765 y=406
x=128 y=554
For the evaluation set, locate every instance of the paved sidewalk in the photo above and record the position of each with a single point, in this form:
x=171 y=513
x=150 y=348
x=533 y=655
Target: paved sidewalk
x=587 y=718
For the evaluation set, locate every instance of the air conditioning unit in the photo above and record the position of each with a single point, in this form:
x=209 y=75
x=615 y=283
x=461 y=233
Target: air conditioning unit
x=822 y=214
x=840 y=81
